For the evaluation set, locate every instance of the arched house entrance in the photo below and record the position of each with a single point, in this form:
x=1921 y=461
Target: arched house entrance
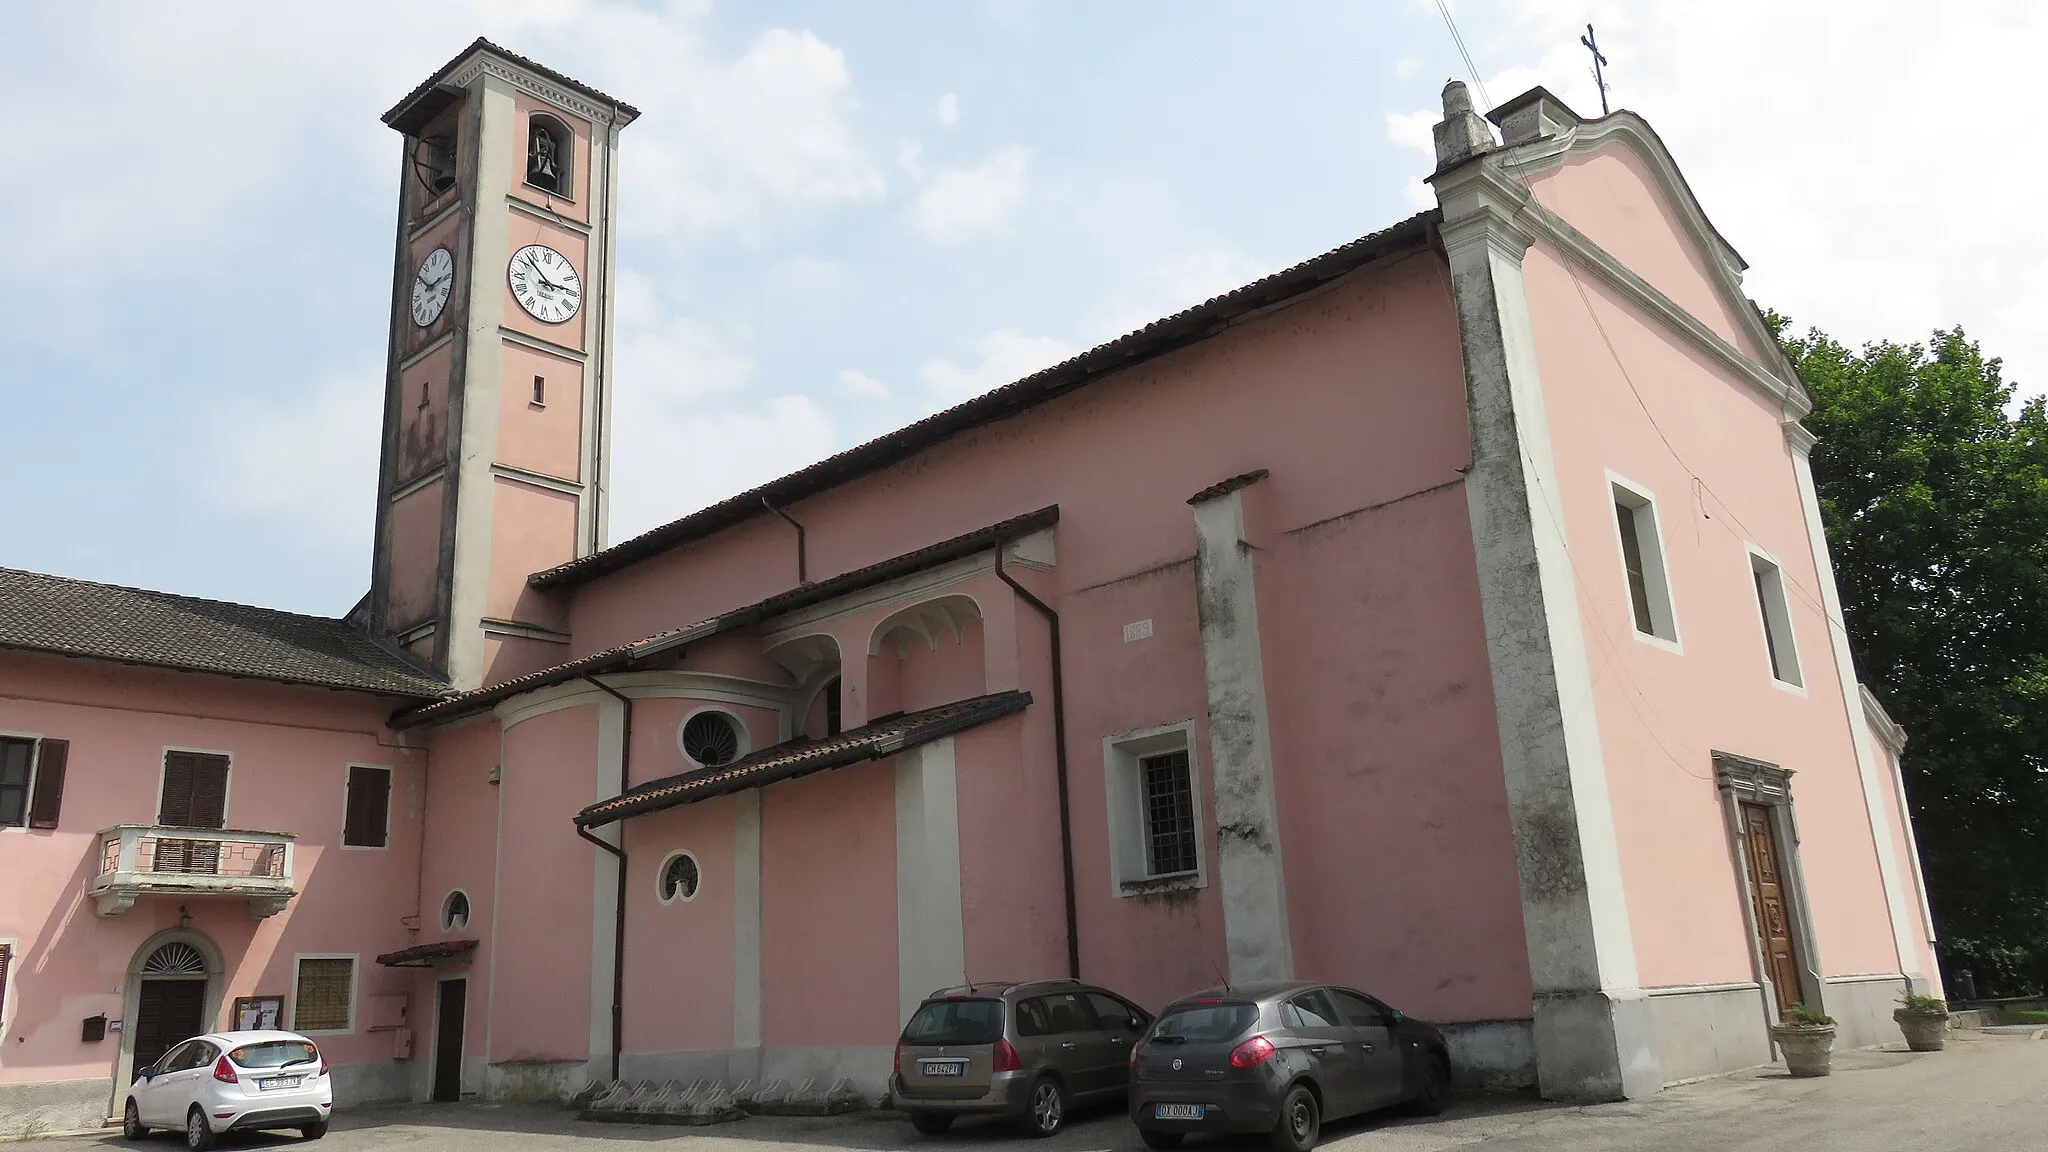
x=173 y=993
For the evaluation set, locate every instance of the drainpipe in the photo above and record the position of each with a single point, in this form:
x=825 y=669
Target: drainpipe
x=618 y=897
x=1059 y=731
x=802 y=576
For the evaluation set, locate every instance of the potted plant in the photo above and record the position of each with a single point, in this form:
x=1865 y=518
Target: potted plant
x=1807 y=1038
x=1924 y=1020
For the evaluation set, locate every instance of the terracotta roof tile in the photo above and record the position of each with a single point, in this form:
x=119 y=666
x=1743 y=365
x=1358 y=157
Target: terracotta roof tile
x=877 y=740
x=44 y=613
x=423 y=955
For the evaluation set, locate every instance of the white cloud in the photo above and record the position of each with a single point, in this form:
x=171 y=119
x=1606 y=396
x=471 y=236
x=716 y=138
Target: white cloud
x=671 y=463
x=306 y=466
x=1175 y=284
x=853 y=382
x=948 y=111
x=809 y=276
x=1006 y=355
x=958 y=202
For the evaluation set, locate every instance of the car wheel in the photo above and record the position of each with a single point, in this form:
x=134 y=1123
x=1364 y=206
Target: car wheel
x=132 y=1127
x=1301 y=1122
x=1432 y=1094
x=931 y=1123
x=198 y=1133
x=1048 y=1108
x=313 y=1131
x=1154 y=1138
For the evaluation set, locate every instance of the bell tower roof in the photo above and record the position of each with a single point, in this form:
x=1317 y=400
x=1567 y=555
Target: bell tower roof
x=445 y=86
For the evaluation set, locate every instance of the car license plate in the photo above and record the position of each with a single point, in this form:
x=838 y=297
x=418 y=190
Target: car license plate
x=943 y=1067
x=271 y=1082
x=1177 y=1111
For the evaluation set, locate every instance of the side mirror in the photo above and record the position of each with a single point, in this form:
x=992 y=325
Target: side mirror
x=1395 y=1016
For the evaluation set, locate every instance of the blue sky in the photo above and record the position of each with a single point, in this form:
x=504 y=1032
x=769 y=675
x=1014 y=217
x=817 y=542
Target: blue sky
x=836 y=217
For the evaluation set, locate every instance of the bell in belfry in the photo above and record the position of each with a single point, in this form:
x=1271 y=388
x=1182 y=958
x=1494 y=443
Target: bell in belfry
x=540 y=162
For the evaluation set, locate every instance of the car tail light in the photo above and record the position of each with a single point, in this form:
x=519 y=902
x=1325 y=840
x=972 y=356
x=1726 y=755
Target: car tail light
x=323 y=1065
x=898 y=1065
x=1256 y=1050
x=1134 y=1055
x=224 y=1071
x=1006 y=1058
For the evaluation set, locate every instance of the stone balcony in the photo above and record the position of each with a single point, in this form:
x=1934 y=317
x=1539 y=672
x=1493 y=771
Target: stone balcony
x=138 y=860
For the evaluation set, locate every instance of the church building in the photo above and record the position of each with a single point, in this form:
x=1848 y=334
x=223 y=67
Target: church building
x=1447 y=615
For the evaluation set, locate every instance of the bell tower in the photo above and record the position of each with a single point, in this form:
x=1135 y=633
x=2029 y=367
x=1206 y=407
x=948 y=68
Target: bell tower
x=497 y=389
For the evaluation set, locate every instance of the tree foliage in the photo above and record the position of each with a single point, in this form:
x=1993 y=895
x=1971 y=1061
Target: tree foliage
x=1933 y=485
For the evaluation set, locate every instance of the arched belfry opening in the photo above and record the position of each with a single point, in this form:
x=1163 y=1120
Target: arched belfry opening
x=550 y=147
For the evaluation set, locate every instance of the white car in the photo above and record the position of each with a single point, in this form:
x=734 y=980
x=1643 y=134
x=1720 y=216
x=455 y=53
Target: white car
x=232 y=1081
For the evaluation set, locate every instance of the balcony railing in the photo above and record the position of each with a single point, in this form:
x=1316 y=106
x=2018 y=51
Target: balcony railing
x=139 y=860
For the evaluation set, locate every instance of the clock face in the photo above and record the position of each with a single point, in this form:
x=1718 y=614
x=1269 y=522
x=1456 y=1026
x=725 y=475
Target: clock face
x=431 y=286
x=545 y=284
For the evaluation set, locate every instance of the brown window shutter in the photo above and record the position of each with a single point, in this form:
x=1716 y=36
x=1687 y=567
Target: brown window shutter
x=369 y=801
x=210 y=792
x=49 y=794
x=176 y=808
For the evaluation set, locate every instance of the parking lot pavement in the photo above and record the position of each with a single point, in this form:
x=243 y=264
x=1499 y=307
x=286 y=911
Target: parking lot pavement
x=1984 y=1092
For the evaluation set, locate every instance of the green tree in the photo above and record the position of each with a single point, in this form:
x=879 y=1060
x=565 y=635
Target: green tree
x=1933 y=485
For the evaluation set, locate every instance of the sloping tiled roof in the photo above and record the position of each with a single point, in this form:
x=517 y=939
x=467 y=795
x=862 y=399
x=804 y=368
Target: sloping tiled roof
x=625 y=655
x=44 y=613
x=873 y=741
x=427 y=955
x=626 y=111
x=1154 y=339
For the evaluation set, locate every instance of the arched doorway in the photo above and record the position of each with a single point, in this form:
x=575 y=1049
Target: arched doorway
x=173 y=994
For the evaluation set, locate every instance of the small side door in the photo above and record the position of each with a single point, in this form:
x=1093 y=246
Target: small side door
x=1119 y=1023
x=1379 y=1050
x=1333 y=1058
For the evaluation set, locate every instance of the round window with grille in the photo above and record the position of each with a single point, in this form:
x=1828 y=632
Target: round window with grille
x=679 y=878
x=712 y=739
x=455 y=911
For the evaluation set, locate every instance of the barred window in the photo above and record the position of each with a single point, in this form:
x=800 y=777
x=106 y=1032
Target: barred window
x=1169 y=814
x=323 y=999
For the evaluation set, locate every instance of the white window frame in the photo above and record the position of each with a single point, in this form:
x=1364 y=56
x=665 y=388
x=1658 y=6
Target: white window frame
x=1656 y=571
x=227 y=791
x=746 y=744
x=28 y=799
x=8 y=995
x=1130 y=872
x=1774 y=618
x=355 y=981
x=467 y=917
x=390 y=792
x=662 y=871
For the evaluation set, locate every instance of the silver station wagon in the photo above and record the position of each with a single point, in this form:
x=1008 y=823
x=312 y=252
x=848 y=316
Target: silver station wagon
x=1027 y=1052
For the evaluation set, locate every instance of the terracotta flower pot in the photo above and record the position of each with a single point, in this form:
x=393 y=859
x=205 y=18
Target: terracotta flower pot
x=1808 y=1048
x=1925 y=1031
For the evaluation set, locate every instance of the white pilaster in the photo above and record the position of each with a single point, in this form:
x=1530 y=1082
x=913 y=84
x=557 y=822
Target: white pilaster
x=931 y=938
x=1801 y=442
x=1252 y=876
x=746 y=933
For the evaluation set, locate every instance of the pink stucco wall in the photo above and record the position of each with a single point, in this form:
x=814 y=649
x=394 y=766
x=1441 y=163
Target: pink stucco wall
x=546 y=438
x=679 y=970
x=540 y=984
x=828 y=908
x=1659 y=413
x=1353 y=399
x=415 y=555
x=532 y=528
x=460 y=852
x=1909 y=875
x=290 y=752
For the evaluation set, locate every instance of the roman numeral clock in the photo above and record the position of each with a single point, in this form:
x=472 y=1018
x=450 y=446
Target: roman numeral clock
x=544 y=283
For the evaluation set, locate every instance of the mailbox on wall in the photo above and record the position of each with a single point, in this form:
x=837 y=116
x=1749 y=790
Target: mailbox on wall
x=93 y=1029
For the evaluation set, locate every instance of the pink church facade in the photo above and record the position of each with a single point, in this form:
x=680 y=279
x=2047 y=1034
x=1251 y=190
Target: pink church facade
x=1448 y=615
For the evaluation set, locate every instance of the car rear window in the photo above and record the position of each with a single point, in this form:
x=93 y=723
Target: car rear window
x=1205 y=1022
x=274 y=1054
x=956 y=1022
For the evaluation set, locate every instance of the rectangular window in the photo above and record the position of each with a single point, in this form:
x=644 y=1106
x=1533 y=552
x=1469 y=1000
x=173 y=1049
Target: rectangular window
x=1777 y=619
x=323 y=996
x=31 y=781
x=195 y=790
x=1156 y=829
x=366 y=820
x=1642 y=563
x=540 y=391
x=1169 y=814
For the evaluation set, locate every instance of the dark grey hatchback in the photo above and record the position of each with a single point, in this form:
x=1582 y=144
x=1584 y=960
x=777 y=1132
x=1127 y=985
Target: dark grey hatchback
x=1280 y=1059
